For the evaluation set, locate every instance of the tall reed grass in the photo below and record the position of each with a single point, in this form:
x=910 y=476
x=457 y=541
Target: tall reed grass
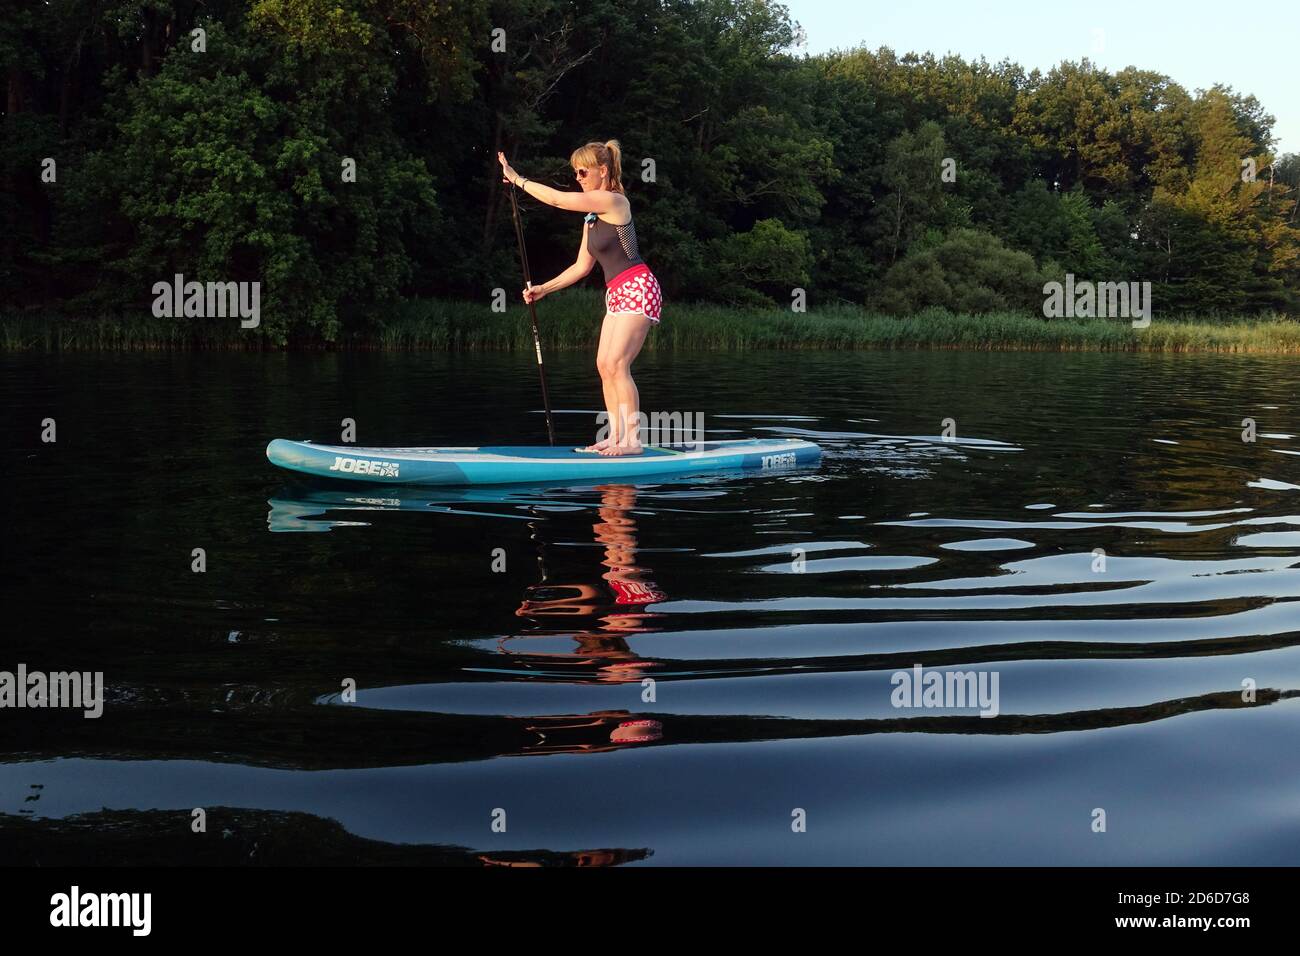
x=571 y=320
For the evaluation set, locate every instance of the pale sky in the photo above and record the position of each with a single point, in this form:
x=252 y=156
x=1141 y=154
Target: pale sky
x=1197 y=43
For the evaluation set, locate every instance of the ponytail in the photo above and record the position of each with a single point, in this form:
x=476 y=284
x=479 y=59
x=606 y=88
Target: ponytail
x=615 y=165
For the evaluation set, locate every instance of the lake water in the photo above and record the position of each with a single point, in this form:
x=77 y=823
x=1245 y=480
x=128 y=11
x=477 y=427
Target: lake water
x=671 y=672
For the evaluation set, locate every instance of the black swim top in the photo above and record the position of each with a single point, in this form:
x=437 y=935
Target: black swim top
x=613 y=246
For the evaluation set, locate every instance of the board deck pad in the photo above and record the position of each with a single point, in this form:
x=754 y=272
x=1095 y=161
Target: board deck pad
x=510 y=464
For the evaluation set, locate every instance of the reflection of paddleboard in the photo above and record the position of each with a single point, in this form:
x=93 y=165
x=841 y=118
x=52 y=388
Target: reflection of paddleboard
x=298 y=505
x=522 y=464
x=303 y=509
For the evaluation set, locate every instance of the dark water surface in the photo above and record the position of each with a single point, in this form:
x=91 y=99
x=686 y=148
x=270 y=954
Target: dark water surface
x=771 y=612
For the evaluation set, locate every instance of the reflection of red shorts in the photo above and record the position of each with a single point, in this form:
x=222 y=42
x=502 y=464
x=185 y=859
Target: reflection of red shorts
x=634 y=290
x=629 y=591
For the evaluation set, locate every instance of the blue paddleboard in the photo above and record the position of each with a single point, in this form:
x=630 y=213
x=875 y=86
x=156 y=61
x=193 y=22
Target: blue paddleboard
x=506 y=464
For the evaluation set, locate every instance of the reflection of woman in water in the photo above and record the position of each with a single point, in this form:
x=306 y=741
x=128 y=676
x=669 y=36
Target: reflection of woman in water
x=617 y=531
x=618 y=606
x=598 y=732
x=626 y=588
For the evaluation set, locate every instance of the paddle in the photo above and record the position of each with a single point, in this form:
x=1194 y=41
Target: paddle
x=532 y=311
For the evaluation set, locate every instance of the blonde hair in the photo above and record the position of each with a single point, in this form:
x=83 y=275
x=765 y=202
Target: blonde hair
x=608 y=154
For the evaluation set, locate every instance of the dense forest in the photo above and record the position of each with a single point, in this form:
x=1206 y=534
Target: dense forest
x=144 y=138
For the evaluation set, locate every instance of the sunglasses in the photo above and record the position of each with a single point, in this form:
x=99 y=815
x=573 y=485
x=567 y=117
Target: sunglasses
x=582 y=172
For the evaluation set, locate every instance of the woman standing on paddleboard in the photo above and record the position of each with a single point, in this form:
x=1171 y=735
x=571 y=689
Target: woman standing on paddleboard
x=632 y=295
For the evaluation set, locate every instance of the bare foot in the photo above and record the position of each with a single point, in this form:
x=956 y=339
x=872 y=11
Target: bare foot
x=600 y=445
x=614 y=451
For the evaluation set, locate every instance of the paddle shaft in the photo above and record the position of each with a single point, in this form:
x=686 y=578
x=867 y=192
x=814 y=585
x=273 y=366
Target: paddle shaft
x=532 y=312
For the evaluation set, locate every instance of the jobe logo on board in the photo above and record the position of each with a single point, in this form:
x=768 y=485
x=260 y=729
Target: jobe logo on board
x=363 y=466
x=778 y=461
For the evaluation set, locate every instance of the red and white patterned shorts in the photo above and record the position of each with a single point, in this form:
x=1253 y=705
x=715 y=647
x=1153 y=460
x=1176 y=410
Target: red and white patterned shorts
x=634 y=290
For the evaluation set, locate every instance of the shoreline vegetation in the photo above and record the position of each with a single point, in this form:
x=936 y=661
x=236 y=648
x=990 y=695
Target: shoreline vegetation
x=571 y=321
x=229 y=142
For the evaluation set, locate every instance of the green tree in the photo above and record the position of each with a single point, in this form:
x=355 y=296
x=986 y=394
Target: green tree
x=915 y=199
x=968 y=271
x=761 y=265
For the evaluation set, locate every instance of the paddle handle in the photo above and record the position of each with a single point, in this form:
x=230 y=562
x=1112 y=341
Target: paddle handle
x=532 y=313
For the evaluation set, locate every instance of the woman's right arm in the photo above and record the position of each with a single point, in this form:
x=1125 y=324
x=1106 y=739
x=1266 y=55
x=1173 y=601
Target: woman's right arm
x=580 y=269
